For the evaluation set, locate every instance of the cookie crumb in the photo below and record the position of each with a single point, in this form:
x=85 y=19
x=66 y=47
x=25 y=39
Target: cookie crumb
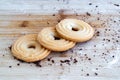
x=117 y=5
x=87 y=74
x=18 y=64
x=89 y=59
x=80 y=49
x=88 y=14
x=113 y=56
x=53 y=14
x=96 y=74
x=90 y=3
x=10 y=66
x=10 y=47
x=49 y=59
x=38 y=64
x=61 y=64
x=52 y=61
x=96 y=6
x=75 y=61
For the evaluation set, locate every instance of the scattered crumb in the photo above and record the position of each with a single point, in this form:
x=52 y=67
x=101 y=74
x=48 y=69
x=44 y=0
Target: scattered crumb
x=90 y=3
x=18 y=64
x=89 y=58
x=88 y=14
x=53 y=14
x=52 y=61
x=10 y=47
x=117 y=5
x=10 y=66
x=87 y=74
x=75 y=61
x=96 y=73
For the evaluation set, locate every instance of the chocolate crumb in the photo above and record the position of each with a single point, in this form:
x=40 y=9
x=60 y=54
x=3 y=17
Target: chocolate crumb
x=10 y=66
x=116 y=5
x=18 y=64
x=96 y=68
x=108 y=40
x=89 y=58
x=60 y=64
x=10 y=47
x=88 y=14
x=114 y=21
x=103 y=39
x=49 y=59
x=53 y=14
x=71 y=58
x=75 y=61
x=96 y=74
x=65 y=61
x=53 y=61
x=96 y=6
x=37 y=63
x=90 y=3
x=98 y=18
x=81 y=69
x=97 y=33
x=113 y=56
x=80 y=49
x=87 y=74
x=94 y=45
x=85 y=54
x=58 y=21
x=117 y=41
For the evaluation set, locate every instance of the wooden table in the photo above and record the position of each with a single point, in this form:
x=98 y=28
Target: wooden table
x=97 y=59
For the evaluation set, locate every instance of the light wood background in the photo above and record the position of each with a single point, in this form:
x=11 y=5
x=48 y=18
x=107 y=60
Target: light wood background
x=103 y=49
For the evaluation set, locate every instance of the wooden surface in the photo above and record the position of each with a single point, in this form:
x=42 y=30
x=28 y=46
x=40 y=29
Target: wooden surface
x=98 y=59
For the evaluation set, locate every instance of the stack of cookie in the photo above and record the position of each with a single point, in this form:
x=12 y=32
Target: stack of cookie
x=63 y=36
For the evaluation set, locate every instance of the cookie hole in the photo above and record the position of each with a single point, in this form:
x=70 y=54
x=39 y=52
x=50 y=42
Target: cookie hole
x=75 y=29
x=56 y=38
x=31 y=47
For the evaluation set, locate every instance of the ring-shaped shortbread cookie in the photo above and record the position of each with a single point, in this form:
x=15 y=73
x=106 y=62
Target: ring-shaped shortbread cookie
x=49 y=38
x=75 y=30
x=28 y=49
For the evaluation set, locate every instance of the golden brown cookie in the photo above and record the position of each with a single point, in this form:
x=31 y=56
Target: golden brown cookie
x=75 y=30
x=49 y=38
x=27 y=48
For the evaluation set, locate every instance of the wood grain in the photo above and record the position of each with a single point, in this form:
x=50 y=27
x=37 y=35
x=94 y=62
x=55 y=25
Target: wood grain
x=99 y=55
